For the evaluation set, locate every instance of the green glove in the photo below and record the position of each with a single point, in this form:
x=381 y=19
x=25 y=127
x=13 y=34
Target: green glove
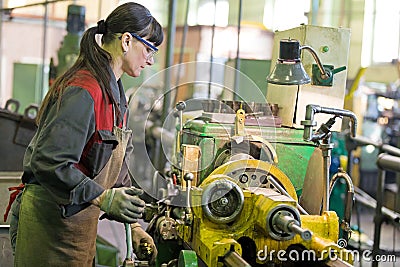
x=122 y=204
x=143 y=244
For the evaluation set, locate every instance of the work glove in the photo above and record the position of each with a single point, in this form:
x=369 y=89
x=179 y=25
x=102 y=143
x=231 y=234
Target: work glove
x=143 y=244
x=122 y=204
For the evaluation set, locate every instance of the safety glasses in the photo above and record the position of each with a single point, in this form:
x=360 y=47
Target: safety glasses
x=152 y=50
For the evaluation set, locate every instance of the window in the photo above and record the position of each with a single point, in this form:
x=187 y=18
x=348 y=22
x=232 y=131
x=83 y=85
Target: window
x=381 y=31
x=206 y=13
x=278 y=15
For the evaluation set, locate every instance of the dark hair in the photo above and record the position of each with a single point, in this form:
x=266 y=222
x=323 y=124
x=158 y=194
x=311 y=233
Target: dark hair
x=128 y=17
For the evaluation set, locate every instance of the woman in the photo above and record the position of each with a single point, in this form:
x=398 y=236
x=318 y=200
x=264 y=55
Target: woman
x=76 y=164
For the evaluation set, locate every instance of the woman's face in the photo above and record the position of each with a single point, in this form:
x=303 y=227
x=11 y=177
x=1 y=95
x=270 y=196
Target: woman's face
x=138 y=56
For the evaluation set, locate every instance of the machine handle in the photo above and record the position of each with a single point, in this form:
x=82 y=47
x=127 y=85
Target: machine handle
x=337 y=70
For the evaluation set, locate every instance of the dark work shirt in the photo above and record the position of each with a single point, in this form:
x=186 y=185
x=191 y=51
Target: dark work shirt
x=58 y=144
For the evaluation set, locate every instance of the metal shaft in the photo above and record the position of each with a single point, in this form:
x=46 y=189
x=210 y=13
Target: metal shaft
x=232 y=259
x=305 y=234
x=289 y=224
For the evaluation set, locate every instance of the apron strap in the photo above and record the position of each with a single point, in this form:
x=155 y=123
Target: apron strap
x=17 y=189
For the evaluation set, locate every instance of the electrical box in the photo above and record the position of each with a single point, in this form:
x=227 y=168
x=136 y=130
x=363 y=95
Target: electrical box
x=332 y=46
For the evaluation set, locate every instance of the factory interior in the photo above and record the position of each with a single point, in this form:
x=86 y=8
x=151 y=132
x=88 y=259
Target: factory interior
x=266 y=133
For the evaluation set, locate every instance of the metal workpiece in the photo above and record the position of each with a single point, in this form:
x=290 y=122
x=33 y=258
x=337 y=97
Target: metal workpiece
x=288 y=224
x=167 y=228
x=232 y=259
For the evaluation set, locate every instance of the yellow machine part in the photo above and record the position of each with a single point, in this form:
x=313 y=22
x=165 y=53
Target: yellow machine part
x=211 y=240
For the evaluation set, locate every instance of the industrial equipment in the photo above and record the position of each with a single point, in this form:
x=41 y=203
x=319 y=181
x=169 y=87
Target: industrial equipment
x=227 y=201
x=247 y=183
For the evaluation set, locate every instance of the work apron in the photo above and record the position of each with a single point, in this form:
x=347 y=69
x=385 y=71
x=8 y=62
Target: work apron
x=45 y=238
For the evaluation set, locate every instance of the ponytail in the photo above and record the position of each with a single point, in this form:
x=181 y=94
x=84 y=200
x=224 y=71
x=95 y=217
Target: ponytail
x=128 y=17
x=91 y=58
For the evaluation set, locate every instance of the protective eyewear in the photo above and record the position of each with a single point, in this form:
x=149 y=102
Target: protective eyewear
x=152 y=50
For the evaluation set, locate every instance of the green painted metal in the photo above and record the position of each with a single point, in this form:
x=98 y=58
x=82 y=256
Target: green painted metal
x=68 y=52
x=293 y=152
x=187 y=258
x=256 y=71
x=26 y=84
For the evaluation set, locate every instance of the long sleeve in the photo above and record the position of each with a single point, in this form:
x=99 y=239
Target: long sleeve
x=58 y=146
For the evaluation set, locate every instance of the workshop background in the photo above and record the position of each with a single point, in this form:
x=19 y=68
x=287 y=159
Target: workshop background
x=204 y=40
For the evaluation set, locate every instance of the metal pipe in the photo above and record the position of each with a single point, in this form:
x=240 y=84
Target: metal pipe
x=388 y=162
x=326 y=148
x=232 y=259
x=324 y=134
x=324 y=74
x=378 y=218
x=364 y=141
x=363 y=198
x=349 y=201
x=311 y=110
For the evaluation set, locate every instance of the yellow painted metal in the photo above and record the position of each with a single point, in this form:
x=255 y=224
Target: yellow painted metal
x=212 y=240
x=356 y=83
x=239 y=122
